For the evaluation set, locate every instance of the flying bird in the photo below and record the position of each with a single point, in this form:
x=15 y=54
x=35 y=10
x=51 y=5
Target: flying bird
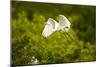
x=52 y=26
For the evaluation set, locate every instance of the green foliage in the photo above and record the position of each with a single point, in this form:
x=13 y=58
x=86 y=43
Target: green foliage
x=28 y=21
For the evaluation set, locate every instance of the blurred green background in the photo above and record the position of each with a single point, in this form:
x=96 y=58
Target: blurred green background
x=28 y=21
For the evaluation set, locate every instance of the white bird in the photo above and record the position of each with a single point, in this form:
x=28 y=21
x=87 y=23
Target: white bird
x=34 y=60
x=52 y=26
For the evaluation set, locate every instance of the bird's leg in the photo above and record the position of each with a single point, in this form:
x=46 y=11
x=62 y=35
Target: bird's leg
x=69 y=36
x=66 y=37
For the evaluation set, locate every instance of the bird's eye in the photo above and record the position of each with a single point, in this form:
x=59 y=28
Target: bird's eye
x=66 y=27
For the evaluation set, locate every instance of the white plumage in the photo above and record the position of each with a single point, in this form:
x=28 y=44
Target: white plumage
x=52 y=26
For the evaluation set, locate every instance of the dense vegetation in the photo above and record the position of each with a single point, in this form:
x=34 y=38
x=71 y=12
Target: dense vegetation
x=28 y=21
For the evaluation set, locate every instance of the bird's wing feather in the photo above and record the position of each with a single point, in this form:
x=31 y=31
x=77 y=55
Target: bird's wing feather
x=49 y=27
x=63 y=22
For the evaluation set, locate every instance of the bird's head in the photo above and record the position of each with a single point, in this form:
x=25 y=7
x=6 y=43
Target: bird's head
x=65 y=29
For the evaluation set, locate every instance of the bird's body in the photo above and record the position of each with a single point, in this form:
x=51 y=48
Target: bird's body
x=52 y=26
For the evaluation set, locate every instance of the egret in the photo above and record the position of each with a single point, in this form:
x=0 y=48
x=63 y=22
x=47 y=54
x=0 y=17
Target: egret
x=52 y=26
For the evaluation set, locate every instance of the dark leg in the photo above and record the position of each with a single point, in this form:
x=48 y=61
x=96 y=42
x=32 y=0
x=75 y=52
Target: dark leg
x=70 y=36
x=66 y=38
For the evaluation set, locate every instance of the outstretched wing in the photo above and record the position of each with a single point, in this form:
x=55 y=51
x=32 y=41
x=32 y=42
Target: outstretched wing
x=63 y=22
x=49 y=27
